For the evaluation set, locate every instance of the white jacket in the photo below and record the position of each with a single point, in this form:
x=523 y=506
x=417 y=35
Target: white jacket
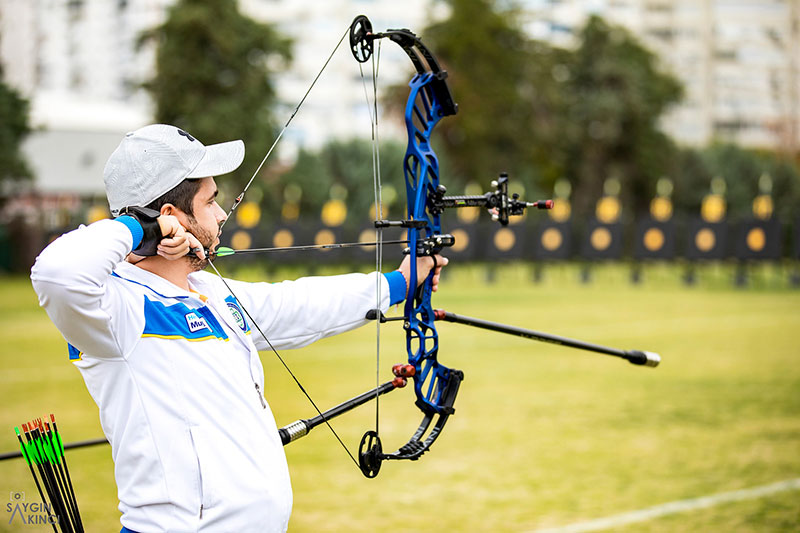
x=177 y=377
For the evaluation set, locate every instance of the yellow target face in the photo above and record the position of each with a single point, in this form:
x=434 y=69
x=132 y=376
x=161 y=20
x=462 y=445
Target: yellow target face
x=241 y=240
x=552 y=239
x=661 y=208
x=518 y=219
x=462 y=240
x=248 y=214
x=290 y=211
x=368 y=235
x=705 y=240
x=608 y=209
x=282 y=238
x=653 y=239
x=756 y=239
x=762 y=207
x=373 y=212
x=324 y=236
x=561 y=210
x=713 y=208
x=95 y=213
x=468 y=215
x=600 y=239
x=333 y=213
x=504 y=239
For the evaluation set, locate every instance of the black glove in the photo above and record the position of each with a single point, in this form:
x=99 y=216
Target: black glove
x=148 y=219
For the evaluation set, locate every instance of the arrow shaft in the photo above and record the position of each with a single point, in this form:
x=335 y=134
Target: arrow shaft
x=333 y=246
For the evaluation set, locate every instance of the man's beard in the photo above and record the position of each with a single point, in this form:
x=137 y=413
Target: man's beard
x=206 y=239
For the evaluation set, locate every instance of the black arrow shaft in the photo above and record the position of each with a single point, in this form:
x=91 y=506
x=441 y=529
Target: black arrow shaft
x=300 y=248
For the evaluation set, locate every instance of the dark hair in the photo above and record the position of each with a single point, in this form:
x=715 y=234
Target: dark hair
x=181 y=196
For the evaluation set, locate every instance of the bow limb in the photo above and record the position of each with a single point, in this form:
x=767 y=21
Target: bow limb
x=435 y=385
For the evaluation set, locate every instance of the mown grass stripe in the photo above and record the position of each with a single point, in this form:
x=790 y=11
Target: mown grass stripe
x=680 y=506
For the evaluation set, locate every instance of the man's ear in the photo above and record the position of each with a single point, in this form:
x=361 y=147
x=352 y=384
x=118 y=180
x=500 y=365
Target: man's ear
x=168 y=209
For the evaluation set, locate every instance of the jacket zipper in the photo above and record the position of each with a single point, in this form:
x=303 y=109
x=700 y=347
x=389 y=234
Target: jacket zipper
x=260 y=396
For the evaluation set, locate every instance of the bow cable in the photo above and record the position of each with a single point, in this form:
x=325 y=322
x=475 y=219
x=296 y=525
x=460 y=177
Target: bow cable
x=283 y=362
x=239 y=198
x=378 y=192
x=236 y=203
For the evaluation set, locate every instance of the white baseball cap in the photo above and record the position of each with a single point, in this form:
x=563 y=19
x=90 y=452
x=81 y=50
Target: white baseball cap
x=155 y=159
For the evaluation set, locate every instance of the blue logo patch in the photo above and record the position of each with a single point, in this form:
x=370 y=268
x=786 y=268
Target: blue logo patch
x=237 y=315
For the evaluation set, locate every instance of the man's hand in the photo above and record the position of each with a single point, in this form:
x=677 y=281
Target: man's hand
x=424 y=266
x=177 y=242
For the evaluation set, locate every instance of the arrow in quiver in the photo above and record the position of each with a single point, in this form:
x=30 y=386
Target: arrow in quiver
x=758 y=239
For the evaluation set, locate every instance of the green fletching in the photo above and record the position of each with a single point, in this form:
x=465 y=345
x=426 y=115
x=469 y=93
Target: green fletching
x=22 y=446
x=44 y=455
x=60 y=447
x=222 y=251
x=53 y=439
x=48 y=446
x=24 y=453
x=33 y=452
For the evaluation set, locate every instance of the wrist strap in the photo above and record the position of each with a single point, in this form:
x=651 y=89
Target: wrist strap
x=148 y=219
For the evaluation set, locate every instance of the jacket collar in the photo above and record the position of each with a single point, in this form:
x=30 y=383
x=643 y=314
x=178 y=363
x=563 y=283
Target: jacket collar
x=154 y=282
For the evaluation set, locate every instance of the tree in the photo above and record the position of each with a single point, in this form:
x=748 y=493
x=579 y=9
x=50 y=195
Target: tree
x=14 y=127
x=617 y=96
x=348 y=165
x=213 y=75
x=494 y=75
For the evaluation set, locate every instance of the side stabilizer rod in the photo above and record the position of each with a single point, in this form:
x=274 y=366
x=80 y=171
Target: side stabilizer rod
x=636 y=357
x=300 y=428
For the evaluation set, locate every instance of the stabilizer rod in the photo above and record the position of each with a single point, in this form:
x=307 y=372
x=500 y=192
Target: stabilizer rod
x=636 y=357
x=300 y=428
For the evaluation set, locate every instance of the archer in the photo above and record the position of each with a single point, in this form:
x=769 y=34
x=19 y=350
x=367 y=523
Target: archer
x=170 y=354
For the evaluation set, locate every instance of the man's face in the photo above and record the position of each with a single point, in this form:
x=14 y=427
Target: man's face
x=208 y=215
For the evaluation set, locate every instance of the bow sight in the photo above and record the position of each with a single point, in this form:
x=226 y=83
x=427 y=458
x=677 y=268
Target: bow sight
x=497 y=201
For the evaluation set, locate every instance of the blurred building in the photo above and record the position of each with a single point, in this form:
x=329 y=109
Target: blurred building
x=78 y=63
x=738 y=59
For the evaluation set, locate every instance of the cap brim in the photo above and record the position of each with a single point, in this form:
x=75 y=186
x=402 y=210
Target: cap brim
x=219 y=159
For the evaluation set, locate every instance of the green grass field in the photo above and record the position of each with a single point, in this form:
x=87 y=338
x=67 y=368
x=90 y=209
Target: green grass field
x=543 y=436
